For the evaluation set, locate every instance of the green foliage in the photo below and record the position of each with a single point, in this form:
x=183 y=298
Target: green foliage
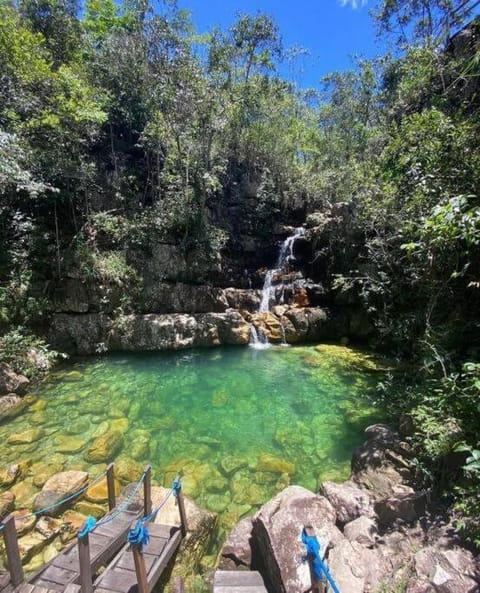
x=26 y=353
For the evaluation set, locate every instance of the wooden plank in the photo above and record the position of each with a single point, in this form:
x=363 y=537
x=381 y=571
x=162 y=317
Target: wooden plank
x=160 y=530
x=240 y=589
x=231 y=578
x=72 y=588
x=155 y=546
x=50 y=586
x=4 y=579
x=162 y=562
x=118 y=580
x=25 y=588
x=55 y=574
x=126 y=561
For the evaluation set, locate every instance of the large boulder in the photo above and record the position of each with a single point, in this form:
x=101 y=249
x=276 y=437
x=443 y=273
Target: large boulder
x=57 y=488
x=405 y=505
x=348 y=500
x=444 y=571
x=236 y=552
x=276 y=530
x=354 y=567
x=381 y=464
x=11 y=382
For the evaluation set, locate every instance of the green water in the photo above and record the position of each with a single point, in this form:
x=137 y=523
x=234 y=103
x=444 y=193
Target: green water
x=240 y=424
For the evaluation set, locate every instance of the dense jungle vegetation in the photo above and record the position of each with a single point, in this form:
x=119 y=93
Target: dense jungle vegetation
x=119 y=122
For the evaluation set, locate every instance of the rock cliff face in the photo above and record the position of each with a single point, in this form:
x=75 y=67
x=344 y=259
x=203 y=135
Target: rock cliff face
x=373 y=531
x=184 y=300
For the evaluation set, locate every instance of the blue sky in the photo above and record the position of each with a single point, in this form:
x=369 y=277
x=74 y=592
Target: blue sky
x=331 y=30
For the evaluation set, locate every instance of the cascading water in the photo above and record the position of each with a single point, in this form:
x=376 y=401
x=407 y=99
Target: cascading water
x=258 y=339
x=284 y=258
x=271 y=286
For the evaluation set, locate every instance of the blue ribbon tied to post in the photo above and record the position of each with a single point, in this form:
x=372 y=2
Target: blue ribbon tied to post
x=139 y=535
x=313 y=553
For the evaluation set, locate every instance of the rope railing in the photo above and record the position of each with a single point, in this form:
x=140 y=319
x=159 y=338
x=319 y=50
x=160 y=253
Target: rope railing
x=91 y=523
x=139 y=534
x=61 y=502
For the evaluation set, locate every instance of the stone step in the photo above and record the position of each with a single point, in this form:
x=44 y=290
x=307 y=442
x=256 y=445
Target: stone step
x=230 y=581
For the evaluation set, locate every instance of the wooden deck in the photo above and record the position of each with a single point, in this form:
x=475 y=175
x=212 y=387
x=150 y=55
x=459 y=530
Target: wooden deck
x=238 y=581
x=120 y=576
x=104 y=542
x=126 y=568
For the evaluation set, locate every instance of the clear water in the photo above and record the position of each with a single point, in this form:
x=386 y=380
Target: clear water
x=216 y=415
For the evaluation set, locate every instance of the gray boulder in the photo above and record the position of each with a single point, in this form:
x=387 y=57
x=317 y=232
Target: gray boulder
x=276 y=532
x=448 y=571
x=236 y=552
x=362 y=530
x=348 y=500
x=405 y=505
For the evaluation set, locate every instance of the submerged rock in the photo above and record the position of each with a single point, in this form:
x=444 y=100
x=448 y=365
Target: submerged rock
x=105 y=447
x=270 y=463
x=98 y=493
x=12 y=405
x=24 y=521
x=26 y=437
x=7 y=503
x=57 y=488
x=9 y=475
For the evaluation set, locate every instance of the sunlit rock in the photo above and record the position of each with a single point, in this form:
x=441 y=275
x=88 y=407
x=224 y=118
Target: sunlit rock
x=7 y=503
x=28 y=436
x=9 y=474
x=105 y=447
x=270 y=463
x=58 y=487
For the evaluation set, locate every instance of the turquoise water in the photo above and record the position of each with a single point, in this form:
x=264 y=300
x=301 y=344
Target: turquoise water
x=240 y=424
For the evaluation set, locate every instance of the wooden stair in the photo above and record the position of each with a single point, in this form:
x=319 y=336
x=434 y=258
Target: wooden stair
x=233 y=581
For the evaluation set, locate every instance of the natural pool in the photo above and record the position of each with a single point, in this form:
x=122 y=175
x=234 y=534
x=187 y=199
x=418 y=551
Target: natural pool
x=240 y=424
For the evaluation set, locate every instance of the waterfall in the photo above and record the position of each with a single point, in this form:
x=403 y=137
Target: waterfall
x=284 y=258
x=258 y=338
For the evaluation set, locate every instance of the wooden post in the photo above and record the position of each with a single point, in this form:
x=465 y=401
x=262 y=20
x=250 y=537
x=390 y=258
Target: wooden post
x=111 y=486
x=14 y=560
x=183 y=514
x=140 y=569
x=85 y=566
x=147 y=491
